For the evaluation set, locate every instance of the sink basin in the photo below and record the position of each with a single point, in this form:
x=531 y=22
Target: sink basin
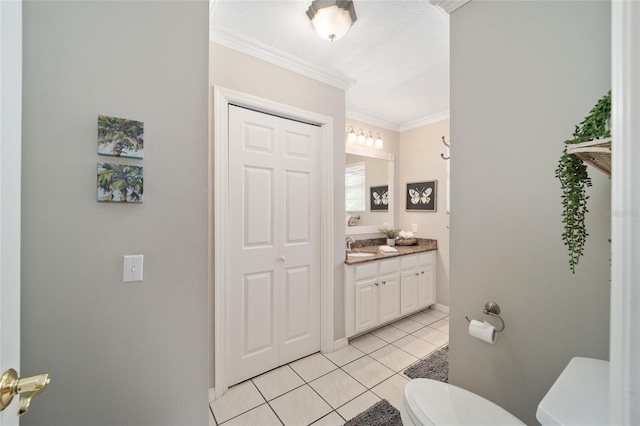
x=360 y=254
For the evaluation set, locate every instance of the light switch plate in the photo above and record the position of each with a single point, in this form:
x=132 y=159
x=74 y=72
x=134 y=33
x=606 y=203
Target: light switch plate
x=132 y=269
x=414 y=227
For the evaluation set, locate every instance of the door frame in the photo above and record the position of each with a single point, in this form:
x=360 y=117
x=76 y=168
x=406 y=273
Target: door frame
x=624 y=371
x=218 y=229
x=10 y=189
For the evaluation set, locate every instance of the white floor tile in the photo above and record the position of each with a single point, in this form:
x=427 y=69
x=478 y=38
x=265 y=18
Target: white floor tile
x=337 y=388
x=394 y=358
x=276 y=382
x=301 y=406
x=368 y=343
x=392 y=390
x=389 y=333
x=345 y=355
x=368 y=371
x=358 y=405
x=415 y=346
x=441 y=325
x=238 y=399
x=259 y=416
x=433 y=336
x=438 y=314
x=331 y=419
x=424 y=317
x=212 y=421
x=408 y=325
x=313 y=366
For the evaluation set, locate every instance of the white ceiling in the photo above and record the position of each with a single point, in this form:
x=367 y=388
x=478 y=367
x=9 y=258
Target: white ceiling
x=397 y=52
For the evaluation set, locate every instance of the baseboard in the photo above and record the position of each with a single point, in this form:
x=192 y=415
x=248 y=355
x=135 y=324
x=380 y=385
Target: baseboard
x=441 y=308
x=340 y=344
x=212 y=395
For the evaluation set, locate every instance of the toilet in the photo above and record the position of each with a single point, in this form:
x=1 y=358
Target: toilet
x=578 y=397
x=429 y=402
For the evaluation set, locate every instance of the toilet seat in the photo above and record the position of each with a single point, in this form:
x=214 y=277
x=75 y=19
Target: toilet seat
x=429 y=402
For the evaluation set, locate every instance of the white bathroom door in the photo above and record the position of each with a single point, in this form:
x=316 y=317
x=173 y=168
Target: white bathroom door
x=274 y=279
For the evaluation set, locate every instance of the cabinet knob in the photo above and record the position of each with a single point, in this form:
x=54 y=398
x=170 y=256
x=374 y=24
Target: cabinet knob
x=422 y=272
x=376 y=283
x=417 y=274
x=384 y=282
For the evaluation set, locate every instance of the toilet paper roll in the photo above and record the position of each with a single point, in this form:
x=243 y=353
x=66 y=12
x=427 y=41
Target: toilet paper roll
x=483 y=331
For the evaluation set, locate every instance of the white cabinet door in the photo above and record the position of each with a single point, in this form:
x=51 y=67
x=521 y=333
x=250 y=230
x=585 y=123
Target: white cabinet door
x=389 y=297
x=427 y=280
x=409 y=291
x=367 y=304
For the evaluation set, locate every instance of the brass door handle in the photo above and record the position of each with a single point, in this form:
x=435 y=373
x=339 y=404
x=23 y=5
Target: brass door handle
x=11 y=385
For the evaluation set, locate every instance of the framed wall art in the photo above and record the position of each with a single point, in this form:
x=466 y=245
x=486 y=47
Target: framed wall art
x=379 y=198
x=120 y=137
x=421 y=196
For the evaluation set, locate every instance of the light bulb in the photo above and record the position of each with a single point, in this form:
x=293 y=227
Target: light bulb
x=370 y=140
x=378 y=143
x=351 y=135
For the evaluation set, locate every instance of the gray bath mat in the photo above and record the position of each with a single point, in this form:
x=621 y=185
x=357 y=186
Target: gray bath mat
x=379 y=414
x=435 y=366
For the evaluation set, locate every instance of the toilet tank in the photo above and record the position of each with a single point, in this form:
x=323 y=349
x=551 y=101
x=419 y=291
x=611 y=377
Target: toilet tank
x=579 y=396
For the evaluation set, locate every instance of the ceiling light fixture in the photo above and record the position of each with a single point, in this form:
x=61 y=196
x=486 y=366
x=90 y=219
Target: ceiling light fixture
x=332 y=18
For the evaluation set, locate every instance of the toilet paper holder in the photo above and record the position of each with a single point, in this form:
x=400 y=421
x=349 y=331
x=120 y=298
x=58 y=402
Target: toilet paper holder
x=492 y=308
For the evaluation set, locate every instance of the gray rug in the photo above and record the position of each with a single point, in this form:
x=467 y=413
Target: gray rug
x=435 y=366
x=381 y=413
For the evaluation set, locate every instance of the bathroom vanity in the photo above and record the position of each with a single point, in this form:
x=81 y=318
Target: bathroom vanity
x=381 y=288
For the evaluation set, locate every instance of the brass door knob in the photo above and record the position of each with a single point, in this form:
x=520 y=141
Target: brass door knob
x=11 y=385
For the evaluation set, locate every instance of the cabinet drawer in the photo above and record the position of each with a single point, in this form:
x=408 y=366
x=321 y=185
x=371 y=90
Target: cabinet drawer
x=366 y=270
x=428 y=258
x=389 y=266
x=409 y=261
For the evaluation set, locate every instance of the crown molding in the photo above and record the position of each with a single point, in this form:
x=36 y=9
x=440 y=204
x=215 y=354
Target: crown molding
x=260 y=50
x=444 y=115
x=369 y=119
x=448 y=6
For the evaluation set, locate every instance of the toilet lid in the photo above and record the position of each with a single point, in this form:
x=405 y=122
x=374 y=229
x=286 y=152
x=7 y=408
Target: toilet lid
x=432 y=402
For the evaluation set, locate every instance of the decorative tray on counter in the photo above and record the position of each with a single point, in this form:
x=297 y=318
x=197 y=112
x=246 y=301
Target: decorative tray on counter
x=406 y=242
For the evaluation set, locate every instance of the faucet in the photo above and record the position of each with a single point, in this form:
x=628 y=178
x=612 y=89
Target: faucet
x=349 y=240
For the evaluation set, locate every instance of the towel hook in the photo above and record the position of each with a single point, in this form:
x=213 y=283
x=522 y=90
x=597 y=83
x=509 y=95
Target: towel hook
x=492 y=308
x=448 y=146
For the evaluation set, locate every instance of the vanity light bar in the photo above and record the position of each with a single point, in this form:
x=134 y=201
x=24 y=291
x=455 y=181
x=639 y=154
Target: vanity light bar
x=359 y=138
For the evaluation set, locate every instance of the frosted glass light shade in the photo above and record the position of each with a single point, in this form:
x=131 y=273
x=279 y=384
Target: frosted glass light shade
x=332 y=19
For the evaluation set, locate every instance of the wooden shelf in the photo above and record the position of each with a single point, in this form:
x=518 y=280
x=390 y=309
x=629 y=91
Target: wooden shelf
x=596 y=153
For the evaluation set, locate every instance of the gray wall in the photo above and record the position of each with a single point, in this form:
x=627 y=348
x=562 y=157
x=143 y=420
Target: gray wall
x=523 y=74
x=119 y=354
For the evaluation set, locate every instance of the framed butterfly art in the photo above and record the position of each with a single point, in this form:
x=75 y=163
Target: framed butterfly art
x=379 y=200
x=421 y=196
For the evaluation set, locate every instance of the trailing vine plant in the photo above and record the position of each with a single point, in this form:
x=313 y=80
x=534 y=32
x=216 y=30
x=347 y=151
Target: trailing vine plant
x=574 y=179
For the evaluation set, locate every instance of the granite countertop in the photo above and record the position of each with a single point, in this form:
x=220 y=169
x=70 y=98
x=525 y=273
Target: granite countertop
x=371 y=246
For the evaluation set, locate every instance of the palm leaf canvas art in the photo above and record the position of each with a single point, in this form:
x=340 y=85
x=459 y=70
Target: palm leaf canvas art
x=120 y=183
x=120 y=137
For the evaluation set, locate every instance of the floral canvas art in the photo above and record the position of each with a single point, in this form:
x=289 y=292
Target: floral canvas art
x=120 y=183
x=120 y=137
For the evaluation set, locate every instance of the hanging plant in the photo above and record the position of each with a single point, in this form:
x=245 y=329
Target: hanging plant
x=574 y=179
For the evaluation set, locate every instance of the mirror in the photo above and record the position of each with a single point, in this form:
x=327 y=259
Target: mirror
x=373 y=170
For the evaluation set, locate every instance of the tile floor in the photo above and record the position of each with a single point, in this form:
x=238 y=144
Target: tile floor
x=329 y=389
